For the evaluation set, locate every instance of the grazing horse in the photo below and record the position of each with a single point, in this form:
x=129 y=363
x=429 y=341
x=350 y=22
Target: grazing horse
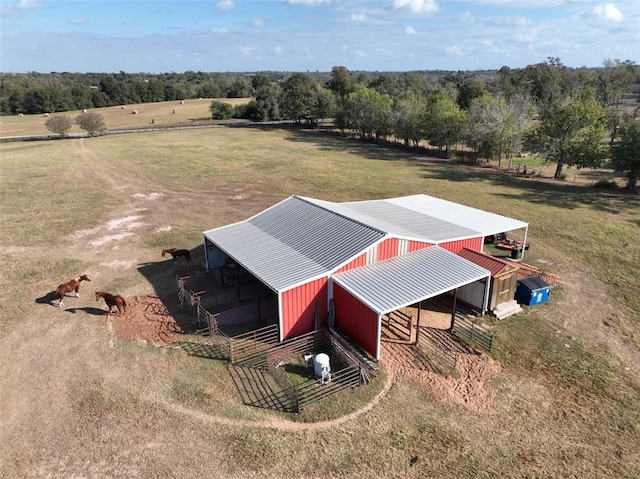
x=73 y=285
x=176 y=253
x=113 y=300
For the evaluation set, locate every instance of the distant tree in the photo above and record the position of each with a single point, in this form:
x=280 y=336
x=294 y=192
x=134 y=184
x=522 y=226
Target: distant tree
x=408 y=117
x=444 y=122
x=298 y=98
x=258 y=81
x=625 y=153
x=572 y=134
x=369 y=112
x=496 y=126
x=91 y=122
x=220 y=110
x=341 y=83
x=468 y=90
x=59 y=124
x=267 y=103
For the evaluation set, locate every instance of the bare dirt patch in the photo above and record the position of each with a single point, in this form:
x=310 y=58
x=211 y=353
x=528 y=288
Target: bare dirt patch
x=148 y=320
x=470 y=391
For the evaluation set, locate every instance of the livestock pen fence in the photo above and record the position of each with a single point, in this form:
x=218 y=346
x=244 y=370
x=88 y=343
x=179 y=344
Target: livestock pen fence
x=289 y=363
x=347 y=370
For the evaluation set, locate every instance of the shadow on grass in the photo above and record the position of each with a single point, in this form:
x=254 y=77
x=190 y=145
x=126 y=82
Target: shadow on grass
x=162 y=276
x=48 y=299
x=557 y=193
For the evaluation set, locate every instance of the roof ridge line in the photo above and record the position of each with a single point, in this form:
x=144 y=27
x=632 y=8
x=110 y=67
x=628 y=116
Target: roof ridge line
x=353 y=220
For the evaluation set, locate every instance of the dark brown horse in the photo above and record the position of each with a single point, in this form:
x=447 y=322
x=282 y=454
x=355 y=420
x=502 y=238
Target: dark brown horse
x=73 y=285
x=177 y=253
x=113 y=300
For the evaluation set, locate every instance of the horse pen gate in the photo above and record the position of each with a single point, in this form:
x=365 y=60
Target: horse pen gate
x=261 y=366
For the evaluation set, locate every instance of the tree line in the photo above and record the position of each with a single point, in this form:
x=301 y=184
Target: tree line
x=574 y=117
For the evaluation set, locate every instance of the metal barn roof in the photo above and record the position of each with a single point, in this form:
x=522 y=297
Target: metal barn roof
x=405 y=280
x=494 y=265
x=424 y=218
x=293 y=241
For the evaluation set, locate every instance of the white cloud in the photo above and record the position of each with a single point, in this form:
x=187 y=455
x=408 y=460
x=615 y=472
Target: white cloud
x=257 y=22
x=278 y=50
x=24 y=4
x=518 y=22
x=306 y=2
x=225 y=5
x=608 y=12
x=410 y=30
x=453 y=51
x=219 y=30
x=416 y=6
x=78 y=21
x=358 y=17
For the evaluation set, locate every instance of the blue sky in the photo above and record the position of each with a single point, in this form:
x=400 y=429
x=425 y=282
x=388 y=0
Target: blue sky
x=312 y=35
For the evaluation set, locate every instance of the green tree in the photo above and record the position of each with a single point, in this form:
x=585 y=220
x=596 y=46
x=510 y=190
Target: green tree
x=341 y=83
x=369 y=112
x=444 y=122
x=91 y=122
x=220 y=110
x=267 y=103
x=298 y=97
x=59 y=124
x=497 y=127
x=625 y=153
x=408 y=118
x=572 y=135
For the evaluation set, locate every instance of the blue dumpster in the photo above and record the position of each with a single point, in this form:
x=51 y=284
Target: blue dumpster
x=532 y=290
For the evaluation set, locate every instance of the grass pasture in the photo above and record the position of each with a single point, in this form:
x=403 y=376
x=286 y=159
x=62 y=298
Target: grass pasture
x=168 y=113
x=77 y=401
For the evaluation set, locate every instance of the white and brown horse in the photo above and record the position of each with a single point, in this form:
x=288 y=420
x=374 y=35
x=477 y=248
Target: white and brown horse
x=73 y=285
x=177 y=253
x=113 y=300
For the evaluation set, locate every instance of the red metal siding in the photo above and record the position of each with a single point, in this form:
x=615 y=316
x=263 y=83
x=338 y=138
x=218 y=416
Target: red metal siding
x=387 y=249
x=417 y=245
x=356 y=320
x=299 y=306
x=474 y=244
x=356 y=263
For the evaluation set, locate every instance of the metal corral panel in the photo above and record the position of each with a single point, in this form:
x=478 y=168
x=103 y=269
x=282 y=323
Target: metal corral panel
x=407 y=279
x=293 y=241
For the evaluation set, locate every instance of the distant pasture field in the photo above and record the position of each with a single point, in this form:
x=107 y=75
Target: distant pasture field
x=167 y=113
x=78 y=401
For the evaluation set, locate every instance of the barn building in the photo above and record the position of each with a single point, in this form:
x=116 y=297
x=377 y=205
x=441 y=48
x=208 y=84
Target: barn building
x=351 y=263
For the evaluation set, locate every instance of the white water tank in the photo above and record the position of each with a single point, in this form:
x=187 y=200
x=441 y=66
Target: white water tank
x=321 y=367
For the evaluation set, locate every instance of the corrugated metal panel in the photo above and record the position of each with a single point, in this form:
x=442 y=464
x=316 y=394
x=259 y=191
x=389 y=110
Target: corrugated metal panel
x=480 y=221
x=407 y=279
x=400 y=221
x=457 y=246
x=356 y=320
x=494 y=265
x=292 y=241
x=299 y=306
x=416 y=245
x=387 y=249
x=356 y=263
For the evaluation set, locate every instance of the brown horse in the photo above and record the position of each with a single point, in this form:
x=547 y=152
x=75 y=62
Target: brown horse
x=113 y=300
x=177 y=253
x=73 y=285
